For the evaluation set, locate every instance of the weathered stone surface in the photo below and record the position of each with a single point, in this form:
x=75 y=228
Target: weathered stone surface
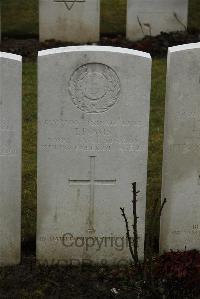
x=151 y=17
x=0 y=22
x=10 y=158
x=70 y=21
x=93 y=144
x=180 y=225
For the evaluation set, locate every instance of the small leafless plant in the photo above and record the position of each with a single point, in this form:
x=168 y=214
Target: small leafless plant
x=179 y=21
x=145 y=268
x=147 y=25
x=133 y=246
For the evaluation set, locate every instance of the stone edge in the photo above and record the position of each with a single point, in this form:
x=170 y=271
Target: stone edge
x=71 y=49
x=184 y=47
x=10 y=56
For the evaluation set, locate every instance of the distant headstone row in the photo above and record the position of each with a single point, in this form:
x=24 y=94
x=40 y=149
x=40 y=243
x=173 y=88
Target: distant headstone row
x=93 y=116
x=78 y=21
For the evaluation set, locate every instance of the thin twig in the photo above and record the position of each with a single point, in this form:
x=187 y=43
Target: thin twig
x=162 y=207
x=135 y=220
x=140 y=25
x=149 y=27
x=180 y=22
x=128 y=234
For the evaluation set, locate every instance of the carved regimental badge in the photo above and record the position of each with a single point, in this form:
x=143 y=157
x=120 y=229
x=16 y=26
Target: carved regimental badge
x=94 y=87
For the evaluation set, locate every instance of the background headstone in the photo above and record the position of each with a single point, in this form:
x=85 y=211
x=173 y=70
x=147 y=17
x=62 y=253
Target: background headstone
x=10 y=158
x=93 y=144
x=70 y=21
x=180 y=225
x=151 y=17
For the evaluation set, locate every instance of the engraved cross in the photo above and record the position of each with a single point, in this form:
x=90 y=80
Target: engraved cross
x=70 y=3
x=92 y=182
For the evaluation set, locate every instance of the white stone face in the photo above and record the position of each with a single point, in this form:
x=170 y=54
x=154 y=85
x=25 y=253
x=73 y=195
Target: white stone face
x=93 y=144
x=70 y=21
x=10 y=158
x=151 y=17
x=0 y=22
x=180 y=225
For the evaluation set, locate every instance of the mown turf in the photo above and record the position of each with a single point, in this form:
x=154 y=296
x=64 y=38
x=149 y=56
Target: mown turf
x=20 y=17
x=29 y=151
x=194 y=15
x=156 y=128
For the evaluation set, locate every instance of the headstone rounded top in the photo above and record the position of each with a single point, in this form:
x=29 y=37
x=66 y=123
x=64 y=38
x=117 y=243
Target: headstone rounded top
x=94 y=49
x=10 y=56
x=184 y=47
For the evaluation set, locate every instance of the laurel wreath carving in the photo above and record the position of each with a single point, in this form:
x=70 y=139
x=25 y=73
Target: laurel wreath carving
x=108 y=88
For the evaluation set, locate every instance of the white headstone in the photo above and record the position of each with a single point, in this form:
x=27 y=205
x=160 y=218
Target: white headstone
x=70 y=20
x=10 y=158
x=180 y=226
x=151 y=17
x=0 y=22
x=93 y=144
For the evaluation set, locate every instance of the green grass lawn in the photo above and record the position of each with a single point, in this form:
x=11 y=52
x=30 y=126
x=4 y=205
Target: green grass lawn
x=20 y=17
x=29 y=151
x=29 y=141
